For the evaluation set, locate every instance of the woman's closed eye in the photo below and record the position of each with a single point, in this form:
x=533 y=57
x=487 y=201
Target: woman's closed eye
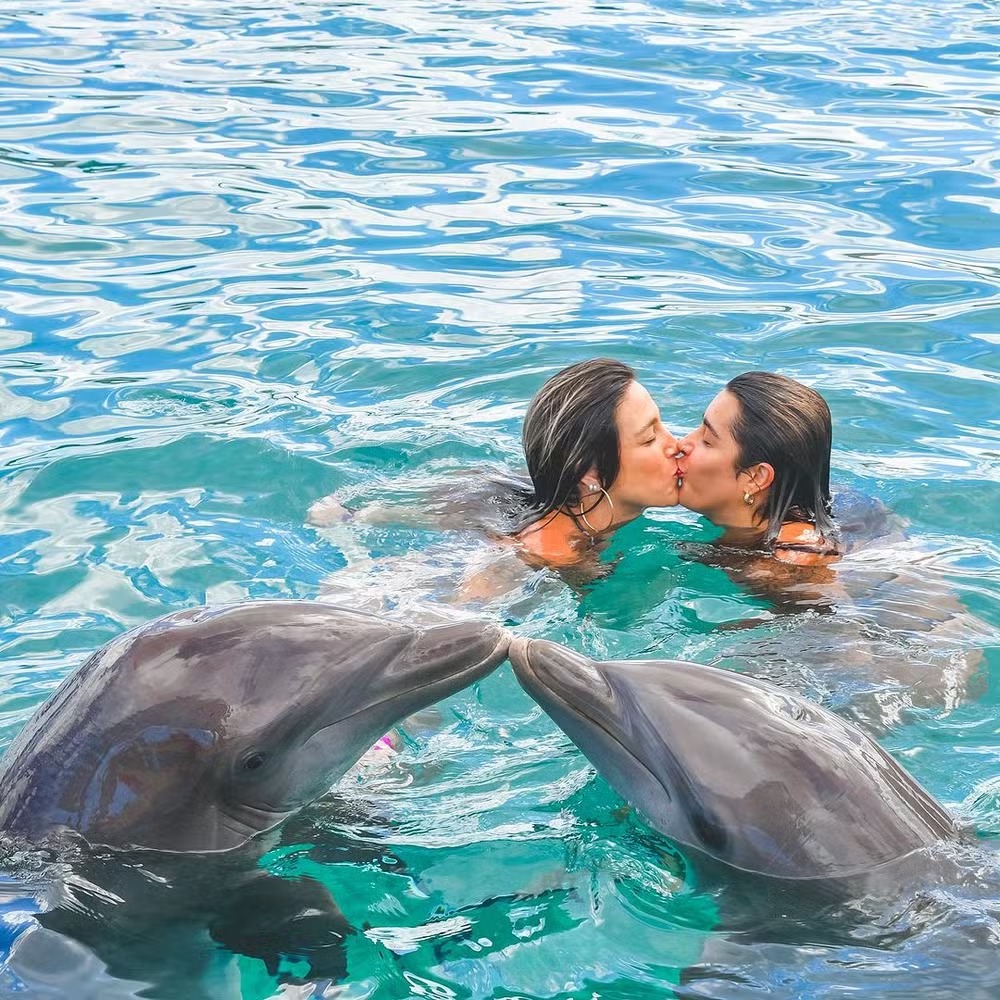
x=653 y=434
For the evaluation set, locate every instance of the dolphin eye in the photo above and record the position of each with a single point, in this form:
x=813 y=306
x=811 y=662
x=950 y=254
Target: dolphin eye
x=253 y=760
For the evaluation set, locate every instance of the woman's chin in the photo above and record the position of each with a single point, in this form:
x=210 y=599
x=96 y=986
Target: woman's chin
x=688 y=503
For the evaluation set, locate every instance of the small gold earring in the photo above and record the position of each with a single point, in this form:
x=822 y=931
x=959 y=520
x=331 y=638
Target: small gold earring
x=748 y=498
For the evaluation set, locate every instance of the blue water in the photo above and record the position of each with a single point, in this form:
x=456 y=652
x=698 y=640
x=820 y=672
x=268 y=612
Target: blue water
x=254 y=253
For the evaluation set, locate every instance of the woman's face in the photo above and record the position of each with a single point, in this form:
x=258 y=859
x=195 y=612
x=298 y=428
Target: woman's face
x=647 y=475
x=710 y=483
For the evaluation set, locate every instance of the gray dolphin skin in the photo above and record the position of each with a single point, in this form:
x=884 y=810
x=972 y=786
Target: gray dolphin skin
x=735 y=768
x=203 y=728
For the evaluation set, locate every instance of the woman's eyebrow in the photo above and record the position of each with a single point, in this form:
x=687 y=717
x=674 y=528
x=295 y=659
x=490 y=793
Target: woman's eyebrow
x=646 y=426
x=708 y=425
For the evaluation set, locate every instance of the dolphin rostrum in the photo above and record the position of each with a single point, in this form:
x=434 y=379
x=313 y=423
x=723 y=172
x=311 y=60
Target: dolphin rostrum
x=201 y=729
x=736 y=768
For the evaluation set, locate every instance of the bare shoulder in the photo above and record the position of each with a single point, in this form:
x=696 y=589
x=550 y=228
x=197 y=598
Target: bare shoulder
x=554 y=543
x=801 y=544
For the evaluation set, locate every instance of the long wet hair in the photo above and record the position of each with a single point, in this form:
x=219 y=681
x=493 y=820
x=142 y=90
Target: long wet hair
x=786 y=424
x=569 y=429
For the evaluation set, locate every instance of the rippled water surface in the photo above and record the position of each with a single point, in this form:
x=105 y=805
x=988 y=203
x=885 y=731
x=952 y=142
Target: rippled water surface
x=254 y=253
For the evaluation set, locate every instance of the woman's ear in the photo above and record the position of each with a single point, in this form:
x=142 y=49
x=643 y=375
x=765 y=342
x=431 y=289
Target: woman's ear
x=761 y=475
x=590 y=483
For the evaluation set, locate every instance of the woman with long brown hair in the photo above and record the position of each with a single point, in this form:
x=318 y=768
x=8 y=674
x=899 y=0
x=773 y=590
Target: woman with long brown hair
x=759 y=467
x=598 y=454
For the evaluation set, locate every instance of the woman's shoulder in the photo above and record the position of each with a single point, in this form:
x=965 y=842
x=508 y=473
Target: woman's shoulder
x=800 y=543
x=554 y=542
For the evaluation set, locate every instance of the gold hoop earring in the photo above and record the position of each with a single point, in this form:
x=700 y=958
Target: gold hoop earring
x=604 y=496
x=748 y=498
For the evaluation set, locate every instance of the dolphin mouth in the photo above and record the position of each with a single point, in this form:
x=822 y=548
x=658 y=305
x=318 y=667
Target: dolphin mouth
x=553 y=691
x=455 y=680
x=556 y=681
x=551 y=676
x=631 y=754
x=374 y=718
x=519 y=654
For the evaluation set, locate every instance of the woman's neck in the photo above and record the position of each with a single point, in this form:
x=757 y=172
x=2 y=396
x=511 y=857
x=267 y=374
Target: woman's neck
x=741 y=536
x=622 y=515
x=740 y=525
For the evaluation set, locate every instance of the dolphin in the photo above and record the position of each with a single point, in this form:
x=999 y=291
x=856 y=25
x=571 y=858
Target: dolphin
x=736 y=770
x=202 y=729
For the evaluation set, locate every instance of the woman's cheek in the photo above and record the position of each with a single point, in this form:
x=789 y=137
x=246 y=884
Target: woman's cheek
x=702 y=459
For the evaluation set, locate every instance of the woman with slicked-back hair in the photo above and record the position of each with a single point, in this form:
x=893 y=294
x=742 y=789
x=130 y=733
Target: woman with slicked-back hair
x=598 y=454
x=759 y=467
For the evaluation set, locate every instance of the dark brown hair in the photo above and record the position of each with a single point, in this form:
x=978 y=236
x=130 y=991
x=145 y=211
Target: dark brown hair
x=786 y=424
x=569 y=428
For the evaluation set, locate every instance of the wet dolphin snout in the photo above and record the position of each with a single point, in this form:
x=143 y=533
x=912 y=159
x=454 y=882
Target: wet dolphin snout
x=519 y=652
x=547 y=670
x=471 y=645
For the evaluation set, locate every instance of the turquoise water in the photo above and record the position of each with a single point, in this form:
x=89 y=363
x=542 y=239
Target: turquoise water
x=254 y=253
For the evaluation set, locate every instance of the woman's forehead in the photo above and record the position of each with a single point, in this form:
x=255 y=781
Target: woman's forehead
x=722 y=411
x=636 y=410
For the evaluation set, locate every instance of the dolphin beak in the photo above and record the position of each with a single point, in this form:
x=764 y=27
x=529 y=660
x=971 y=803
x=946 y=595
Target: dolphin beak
x=544 y=667
x=519 y=654
x=469 y=646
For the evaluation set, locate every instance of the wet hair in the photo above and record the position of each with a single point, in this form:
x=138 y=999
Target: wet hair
x=570 y=428
x=786 y=424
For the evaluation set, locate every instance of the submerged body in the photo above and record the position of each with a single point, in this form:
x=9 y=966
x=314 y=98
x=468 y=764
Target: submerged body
x=903 y=640
x=201 y=729
x=736 y=769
